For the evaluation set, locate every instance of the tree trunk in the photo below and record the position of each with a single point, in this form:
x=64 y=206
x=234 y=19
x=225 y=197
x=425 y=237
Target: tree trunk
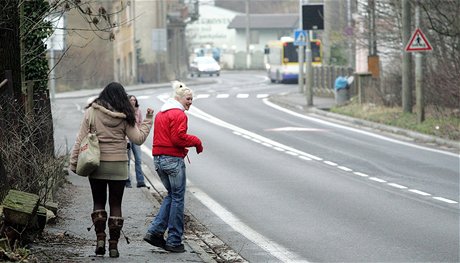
x=10 y=55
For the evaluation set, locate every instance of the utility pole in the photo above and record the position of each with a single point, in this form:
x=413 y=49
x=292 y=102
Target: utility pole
x=308 y=71
x=301 y=79
x=420 y=101
x=407 y=58
x=248 y=36
x=351 y=38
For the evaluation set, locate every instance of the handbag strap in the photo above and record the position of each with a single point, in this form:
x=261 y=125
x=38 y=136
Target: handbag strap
x=91 y=119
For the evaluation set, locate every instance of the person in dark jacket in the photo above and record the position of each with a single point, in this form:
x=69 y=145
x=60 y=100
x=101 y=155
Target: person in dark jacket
x=170 y=143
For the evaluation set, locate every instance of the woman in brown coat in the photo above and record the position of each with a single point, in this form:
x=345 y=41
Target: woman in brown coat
x=114 y=120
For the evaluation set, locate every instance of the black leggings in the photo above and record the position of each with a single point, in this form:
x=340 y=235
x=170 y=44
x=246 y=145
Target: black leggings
x=99 y=191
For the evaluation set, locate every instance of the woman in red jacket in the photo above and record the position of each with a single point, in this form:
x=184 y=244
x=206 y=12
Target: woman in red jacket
x=170 y=142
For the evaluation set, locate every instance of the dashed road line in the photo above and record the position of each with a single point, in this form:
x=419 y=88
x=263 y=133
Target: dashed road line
x=377 y=180
x=361 y=174
x=397 y=186
x=445 y=200
x=343 y=168
x=415 y=191
x=330 y=163
x=306 y=157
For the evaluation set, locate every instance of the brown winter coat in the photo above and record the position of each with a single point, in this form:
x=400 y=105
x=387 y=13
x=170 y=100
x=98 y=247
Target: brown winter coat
x=112 y=130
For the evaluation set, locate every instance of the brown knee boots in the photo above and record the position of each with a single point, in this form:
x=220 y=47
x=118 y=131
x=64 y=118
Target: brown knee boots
x=115 y=226
x=99 y=218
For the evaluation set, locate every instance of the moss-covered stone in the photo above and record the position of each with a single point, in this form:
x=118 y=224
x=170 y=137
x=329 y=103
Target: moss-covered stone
x=18 y=207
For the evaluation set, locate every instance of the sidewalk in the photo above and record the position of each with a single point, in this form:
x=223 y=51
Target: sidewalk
x=139 y=206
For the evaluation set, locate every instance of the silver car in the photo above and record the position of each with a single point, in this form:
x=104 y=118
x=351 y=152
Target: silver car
x=204 y=65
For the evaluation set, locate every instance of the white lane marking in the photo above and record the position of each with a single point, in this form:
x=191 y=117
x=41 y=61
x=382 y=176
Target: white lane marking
x=305 y=158
x=262 y=96
x=292 y=153
x=330 y=163
x=242 y=96
x=397 y=186
x=295 y=129
x=202 y=96
x=222 y=96
x=276 y=250
x=415 y=191
x=235 y=129
x=445 y=200
x=343 y=168
x=377 y=179
x=270 y=104
x=361 y=174
x=142 y=97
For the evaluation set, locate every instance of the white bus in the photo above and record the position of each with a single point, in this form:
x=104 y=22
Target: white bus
x=283 y=62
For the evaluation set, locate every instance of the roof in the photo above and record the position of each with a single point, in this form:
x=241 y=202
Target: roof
x=266 y=21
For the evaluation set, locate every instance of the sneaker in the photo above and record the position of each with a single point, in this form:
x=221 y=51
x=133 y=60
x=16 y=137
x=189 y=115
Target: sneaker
x=155 y=240
x=175 y=249
x=142 y=185
x=128 y=186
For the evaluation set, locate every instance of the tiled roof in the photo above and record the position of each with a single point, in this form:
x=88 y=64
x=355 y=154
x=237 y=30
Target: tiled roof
x=261 y=21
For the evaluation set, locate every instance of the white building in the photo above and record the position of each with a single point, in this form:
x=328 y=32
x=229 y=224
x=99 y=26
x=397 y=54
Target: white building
x=210 y=33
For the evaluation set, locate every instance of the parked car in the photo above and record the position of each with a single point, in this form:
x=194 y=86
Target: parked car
x=204 y=65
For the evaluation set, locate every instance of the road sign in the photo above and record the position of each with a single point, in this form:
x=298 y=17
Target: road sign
x=312 y=17
x=300 y=36
x=418 y=42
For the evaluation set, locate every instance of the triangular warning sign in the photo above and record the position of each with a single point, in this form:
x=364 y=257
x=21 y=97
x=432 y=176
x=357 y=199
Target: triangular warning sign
x=418 y=42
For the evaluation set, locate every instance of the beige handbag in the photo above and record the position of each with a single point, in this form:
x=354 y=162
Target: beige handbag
x=89 y=156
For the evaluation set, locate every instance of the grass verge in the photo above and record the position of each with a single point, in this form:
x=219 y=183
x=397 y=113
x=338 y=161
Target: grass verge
x=443 y=123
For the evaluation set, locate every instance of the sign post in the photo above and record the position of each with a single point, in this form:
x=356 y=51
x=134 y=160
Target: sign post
x=312 y=19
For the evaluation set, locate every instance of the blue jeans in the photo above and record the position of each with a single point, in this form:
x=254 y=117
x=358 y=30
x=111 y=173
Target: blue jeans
x=171 y=171
x=136 y=149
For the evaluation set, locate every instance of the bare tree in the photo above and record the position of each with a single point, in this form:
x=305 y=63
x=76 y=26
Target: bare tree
x=440 y=23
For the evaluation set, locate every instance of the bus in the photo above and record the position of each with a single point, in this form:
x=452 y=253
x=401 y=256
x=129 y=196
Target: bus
x=282 y=60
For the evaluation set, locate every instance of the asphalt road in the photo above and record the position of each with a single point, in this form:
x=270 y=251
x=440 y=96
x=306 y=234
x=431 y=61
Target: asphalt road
x=281 y=187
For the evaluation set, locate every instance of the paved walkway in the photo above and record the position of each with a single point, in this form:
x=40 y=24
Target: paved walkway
x=139 y=207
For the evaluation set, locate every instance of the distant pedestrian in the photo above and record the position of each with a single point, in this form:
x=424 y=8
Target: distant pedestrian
x=170 y=142
x=114 y=121
x=135 y=149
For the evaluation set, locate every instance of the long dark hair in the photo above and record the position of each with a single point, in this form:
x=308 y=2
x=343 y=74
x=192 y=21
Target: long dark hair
x=137 y=103
x=114 y=96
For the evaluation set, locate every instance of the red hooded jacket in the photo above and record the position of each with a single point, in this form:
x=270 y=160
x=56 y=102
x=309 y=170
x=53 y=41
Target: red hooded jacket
x=170 y=131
